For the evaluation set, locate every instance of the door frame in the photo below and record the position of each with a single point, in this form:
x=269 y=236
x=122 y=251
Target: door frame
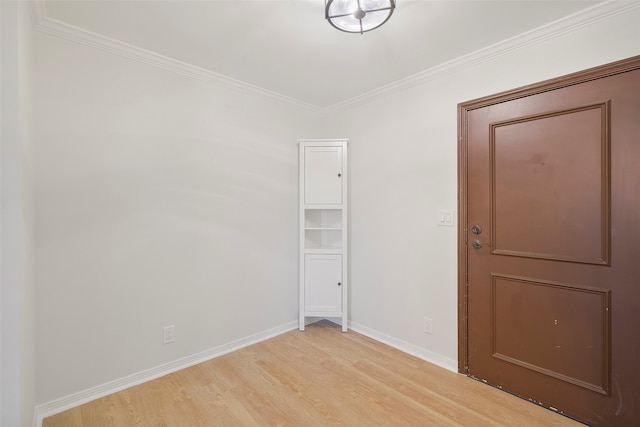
x=464 y=108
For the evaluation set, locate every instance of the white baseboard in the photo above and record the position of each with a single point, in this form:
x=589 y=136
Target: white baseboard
x=420 y=353
x=93 y=393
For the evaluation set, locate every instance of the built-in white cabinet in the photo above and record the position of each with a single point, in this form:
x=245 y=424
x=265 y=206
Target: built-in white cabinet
x=323 y=229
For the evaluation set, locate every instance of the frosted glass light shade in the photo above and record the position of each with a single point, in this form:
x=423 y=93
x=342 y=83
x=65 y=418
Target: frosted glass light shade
x=358 y=16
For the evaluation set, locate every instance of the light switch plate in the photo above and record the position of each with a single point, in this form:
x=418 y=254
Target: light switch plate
x=446 y=217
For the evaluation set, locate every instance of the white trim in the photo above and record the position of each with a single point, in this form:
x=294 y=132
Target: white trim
x=570 y=23
x=414 y=350
x=1 y=233
x=56 y=406
x=554 y=29
x=59 y=405
x=312 y=140
x=66 y=31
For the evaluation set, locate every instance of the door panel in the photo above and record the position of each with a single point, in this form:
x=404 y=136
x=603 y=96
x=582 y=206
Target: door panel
x=541 y=325
x=323 y=292
x=323 y=172
x=551 y=287
x=556 y=165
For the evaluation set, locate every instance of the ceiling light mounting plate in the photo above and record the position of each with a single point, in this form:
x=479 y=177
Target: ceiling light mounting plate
x=358 y=16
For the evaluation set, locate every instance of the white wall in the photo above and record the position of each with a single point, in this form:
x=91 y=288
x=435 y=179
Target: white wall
x=28 y=250
x=17 y=333
x=166 y=200
x=403 y=159
x=162 y=200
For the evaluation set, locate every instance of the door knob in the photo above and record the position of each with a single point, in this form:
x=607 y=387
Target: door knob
x=476 y=244
x=476 y=229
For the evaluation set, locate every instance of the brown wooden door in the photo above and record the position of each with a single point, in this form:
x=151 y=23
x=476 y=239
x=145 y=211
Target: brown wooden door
x=551 y=297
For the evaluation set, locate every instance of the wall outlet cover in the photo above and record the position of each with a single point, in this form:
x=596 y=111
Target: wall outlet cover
x=168 y=334
x=428 y=325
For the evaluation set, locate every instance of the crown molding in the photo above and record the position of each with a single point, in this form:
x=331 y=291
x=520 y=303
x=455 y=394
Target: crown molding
x=554 y=29
x=53 y=27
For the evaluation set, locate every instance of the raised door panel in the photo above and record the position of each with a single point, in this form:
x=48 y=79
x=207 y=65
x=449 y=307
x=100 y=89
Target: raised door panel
x=550 y=179
x=323 y=277
x=323 y=175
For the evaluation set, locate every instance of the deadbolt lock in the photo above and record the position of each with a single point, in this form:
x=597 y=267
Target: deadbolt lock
x=476 y=229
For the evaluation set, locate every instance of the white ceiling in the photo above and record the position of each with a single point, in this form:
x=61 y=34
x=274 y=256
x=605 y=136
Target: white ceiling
x=287 y=47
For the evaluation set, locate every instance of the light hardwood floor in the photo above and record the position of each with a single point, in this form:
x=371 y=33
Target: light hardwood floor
x=320 y=377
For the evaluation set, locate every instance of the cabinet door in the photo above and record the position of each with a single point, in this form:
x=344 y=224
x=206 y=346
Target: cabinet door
x=323 y=277
x=323 y=175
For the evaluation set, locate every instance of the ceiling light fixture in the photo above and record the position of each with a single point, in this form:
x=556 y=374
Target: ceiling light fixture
x=358 y=16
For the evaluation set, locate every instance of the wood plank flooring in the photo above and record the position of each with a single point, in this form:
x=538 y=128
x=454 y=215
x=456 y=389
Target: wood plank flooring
x=320 y=377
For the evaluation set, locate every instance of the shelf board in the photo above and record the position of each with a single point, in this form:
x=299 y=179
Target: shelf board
x=328 y=251
x=323 y=207
x=324 y=228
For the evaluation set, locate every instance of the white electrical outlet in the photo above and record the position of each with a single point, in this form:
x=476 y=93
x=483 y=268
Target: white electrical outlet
x=428 y=325
x=168 y=334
